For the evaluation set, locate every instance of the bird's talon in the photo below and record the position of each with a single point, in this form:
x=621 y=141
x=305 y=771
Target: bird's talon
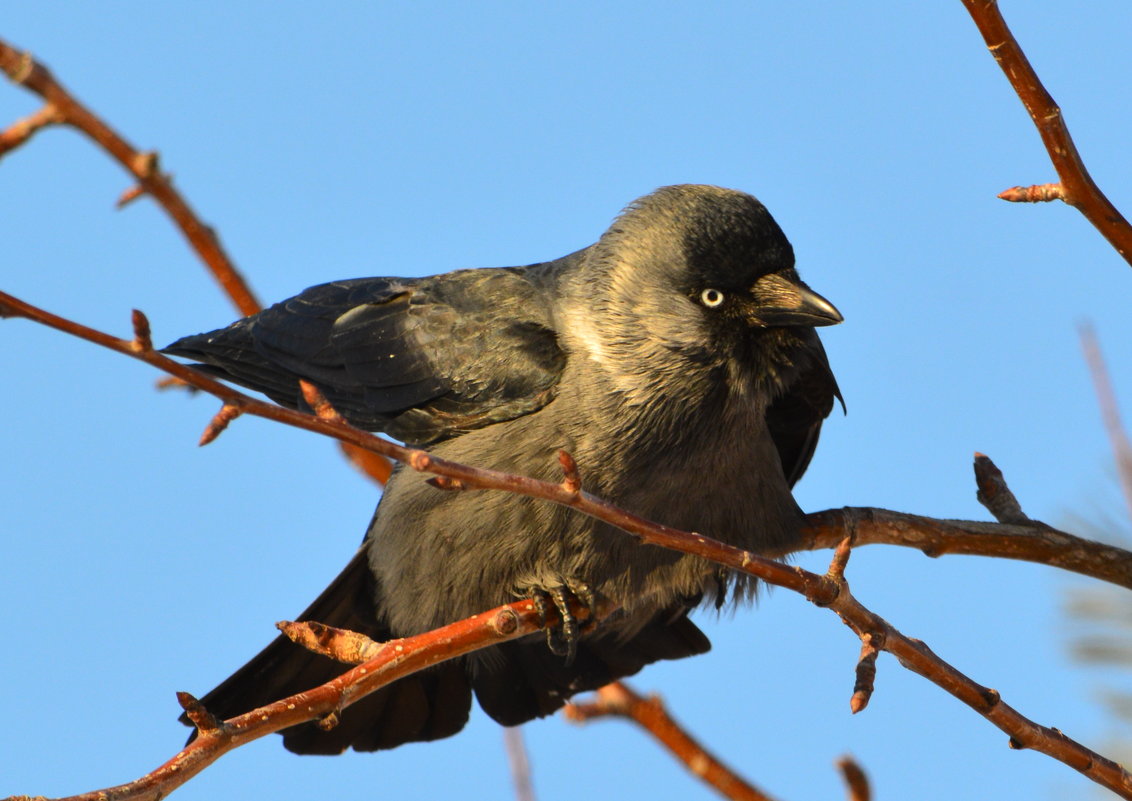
x=584 y=593
x=562 y=640
x=542 y=607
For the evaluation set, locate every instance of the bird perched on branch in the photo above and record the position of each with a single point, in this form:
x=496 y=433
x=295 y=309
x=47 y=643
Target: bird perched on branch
x=675 y=359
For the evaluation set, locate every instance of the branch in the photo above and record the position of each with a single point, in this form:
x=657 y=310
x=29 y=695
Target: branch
x=520 y=765
x=1077 y=187
x=63 y=109
x=856 y=782
x=24 y=70
x=1110 y=410
x=830 y=590
x=619 y=700
x=1028 y=543
x=379 y=664
x=21 y=131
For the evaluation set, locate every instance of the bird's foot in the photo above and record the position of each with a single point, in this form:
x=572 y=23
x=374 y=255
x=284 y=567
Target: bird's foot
x=563 y=640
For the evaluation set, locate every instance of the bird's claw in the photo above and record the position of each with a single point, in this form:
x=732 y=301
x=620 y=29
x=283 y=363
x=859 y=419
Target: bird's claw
x=562 y=640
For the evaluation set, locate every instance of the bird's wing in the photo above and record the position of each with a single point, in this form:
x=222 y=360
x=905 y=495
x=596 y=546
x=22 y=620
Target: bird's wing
x=421 y=359
x=795 y=418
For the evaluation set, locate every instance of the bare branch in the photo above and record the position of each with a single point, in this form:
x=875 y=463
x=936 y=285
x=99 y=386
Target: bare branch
x=618 y=700
x=22 y=130
x=1077 y=186
x=228 y=412
x=1110 y=410
x=63 y=108
x=200 y=717
x=371 y=464
x=840 y=560
x=388 y=662
x=24 y=70
x=520 y=764
x=1034 y=542
x=855 y=779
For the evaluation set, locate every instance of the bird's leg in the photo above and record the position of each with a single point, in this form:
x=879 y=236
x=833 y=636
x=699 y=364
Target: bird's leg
x=541 y=599
x=542 y=605
x=566 y=642
x=584 y=593
x=563 y=640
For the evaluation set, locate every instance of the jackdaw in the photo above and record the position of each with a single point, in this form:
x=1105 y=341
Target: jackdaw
x=675 y=359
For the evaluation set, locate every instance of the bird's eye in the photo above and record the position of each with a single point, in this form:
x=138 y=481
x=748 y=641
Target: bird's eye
x=711 y=297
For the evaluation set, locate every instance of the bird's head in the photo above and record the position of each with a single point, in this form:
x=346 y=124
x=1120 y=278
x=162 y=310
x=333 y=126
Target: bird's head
x=705 y=274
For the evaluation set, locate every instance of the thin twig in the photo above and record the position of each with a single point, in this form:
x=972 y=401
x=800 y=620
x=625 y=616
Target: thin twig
x=935 y=537
x=22 y=130
x=856 y=782
x=1077 y=187
x=63 y=108
x=516 y=749
x=1110 y=410
x=392 y=660
x=371 y=464
x=24 y=70
x=619 y=700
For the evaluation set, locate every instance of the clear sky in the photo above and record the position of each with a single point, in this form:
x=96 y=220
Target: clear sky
x=340 y=140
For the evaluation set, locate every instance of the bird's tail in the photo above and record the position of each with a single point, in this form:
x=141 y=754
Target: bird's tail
x=514 y=682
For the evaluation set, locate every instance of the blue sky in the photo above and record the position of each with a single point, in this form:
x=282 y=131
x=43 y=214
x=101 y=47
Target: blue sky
x=402 y=138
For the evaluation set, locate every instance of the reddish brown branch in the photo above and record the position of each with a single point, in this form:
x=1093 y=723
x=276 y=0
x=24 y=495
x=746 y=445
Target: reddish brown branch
x=63 y=108
x=388 y=662
x=1029 y=543
x=571 y=478
x=855 y=779
x=618 y=700
x=130 y=195
x=840 y=560
x=200 y=717
x=21 y=131
x=821 y=590
x=866 y=662
x=24 y=70
x=376 y=467
x=1077 y=186
x=228 y=412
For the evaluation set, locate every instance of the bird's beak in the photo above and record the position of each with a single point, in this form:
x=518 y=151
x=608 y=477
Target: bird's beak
x=781 y=301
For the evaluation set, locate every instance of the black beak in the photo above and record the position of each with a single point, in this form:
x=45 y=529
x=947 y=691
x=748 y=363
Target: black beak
x=780 y=301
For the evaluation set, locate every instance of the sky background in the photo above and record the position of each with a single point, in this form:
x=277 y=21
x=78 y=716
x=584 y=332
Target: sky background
x=413 y=138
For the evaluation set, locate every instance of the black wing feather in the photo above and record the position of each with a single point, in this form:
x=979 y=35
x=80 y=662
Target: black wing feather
x=421 y=359
x=795 y=418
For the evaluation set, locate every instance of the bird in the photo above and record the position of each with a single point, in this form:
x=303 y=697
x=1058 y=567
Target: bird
x=676 y=360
